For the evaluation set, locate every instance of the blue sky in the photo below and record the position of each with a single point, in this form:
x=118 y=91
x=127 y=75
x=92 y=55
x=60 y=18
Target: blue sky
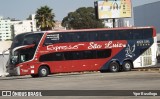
x=21 y=9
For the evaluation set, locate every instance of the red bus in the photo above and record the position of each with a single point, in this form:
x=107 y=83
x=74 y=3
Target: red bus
x=120 y=49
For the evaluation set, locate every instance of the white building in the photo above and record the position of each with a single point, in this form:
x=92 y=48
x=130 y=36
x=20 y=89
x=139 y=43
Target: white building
x=118 y=23
x=9 y=28
x=5 y=29
x=24 y=26
x=58 y=26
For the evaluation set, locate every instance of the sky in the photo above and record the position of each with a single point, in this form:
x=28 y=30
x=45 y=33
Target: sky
x=21 y=9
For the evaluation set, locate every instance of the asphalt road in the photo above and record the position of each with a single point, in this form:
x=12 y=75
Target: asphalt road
x=134 y=80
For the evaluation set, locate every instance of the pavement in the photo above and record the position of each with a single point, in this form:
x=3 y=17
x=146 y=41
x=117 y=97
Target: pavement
x=134 y=80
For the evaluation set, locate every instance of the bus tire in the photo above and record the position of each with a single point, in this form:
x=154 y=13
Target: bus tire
x=127 y=66
x=114 y=67
x=43 y=71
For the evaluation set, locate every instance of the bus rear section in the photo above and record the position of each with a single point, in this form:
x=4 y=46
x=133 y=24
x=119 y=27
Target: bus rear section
x=148 y=50
x=102 y=50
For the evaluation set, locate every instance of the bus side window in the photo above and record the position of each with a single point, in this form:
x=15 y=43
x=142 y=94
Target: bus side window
x=69 y=55
x=103 y=53
x=148 y=33
x=92 y=36
x=102 y=35
x=124 y=34
x=51 y=57
x=137 y=34
x=64 y=37
x=58 y=57
x=29 y=39
x=129 y=35
x=69 y=37
x=116 y=36
x=89 y=54
x=82 y=37
x=51 y=38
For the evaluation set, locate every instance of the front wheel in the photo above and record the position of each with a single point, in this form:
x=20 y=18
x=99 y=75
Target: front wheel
x=43 y=71
x=127 y=66
x=114 y=67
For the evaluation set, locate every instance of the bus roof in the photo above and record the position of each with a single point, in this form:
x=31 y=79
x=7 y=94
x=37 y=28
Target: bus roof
x=80 y=30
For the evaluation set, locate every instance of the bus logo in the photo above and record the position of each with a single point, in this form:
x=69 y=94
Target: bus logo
x=130 y=51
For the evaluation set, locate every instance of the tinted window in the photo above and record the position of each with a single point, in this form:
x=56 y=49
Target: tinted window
x=72 y=37
x=103 y=53
x=73 y=55
x=90 y=54
x=18 y=40
x=76 y=55
x=148 y=33
x=51 y=57
x=26 y=39
x=103 y=36
x=32 y=39
x=89 y=36
x=52 y=38
x=82 y=37
x=124 y=34
x=141 y=34
x=92 y=36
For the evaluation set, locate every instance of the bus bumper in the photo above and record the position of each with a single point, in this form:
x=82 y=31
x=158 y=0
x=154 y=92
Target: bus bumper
x=13 y=71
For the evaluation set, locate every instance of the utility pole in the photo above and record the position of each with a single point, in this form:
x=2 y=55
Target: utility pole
x=114 y=21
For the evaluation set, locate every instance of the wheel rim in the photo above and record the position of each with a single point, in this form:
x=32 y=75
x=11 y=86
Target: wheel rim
x=127 y=65
x=114 y=68
x=44 y=72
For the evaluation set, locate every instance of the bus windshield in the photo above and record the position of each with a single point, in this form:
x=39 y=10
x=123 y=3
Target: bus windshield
x=24 y=47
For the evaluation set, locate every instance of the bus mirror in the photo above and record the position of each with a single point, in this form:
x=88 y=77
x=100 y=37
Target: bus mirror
x=14 y=59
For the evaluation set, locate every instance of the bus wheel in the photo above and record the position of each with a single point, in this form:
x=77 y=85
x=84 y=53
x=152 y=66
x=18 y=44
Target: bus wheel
x=127 y=66
x=43 y=71
x=114 y=67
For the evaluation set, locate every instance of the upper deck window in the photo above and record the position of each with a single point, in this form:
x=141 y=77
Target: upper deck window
x=100 y=35
x=26 y=39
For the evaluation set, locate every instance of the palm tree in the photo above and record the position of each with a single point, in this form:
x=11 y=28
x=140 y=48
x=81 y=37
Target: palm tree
x=45 y=18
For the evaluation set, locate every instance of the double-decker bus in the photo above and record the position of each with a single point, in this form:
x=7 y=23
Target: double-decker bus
x=119 y=49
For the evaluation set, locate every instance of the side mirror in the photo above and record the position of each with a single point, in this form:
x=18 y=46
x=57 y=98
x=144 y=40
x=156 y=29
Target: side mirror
x=14 y=59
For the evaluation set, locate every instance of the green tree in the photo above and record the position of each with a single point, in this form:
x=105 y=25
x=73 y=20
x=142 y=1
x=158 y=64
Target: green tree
x=45 y=18
x=82 y=18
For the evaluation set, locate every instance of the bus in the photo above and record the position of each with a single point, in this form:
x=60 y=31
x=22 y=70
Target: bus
x=121 y=49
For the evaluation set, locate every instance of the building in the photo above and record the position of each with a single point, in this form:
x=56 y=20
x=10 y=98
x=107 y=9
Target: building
x=147 y=15
x=24 y=26
x=5 y=29
x=11 y=27
x=58 y=26
x=118 y=23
